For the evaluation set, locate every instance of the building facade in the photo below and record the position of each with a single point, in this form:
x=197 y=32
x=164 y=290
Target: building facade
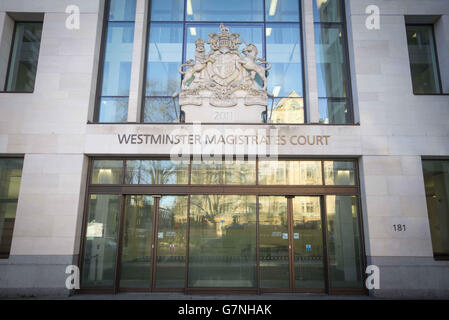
x=322 y=150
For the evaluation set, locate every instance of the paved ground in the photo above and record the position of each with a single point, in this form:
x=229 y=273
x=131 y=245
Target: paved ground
x=178 y=296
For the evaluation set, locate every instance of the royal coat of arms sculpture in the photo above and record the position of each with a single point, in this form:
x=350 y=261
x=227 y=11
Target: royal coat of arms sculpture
x=224 y=85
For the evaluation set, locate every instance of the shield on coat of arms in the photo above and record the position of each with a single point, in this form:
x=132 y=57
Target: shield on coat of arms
x=225 y=69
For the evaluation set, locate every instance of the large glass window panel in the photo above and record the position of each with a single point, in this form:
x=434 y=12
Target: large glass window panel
x=290 y=173
x=285 y=55
x=249 y=33
x=222 y=250
x=436 y=180
x=224 y=172
x=219 y=10
x=331 y=62
x=308 y=243
x=240 y=172
x=327 y=10
x=423 y=59
x=118 y=51
x=344 y=242
x=161 y=109
x=274 y=242
x=331 y=74
x=171 y=242
x=122 y=10
x=167 y=10
x=282 y=10
x=107 y=172
x=100 y=244
x=113 y=109
x=136 y=242
x=156 y=172
x=24 y=57
x=164 y=58
x=287 y=110
x=118 y=57
x=334 y=111
x=207 y=172
x=10 y=177
x=340 y=173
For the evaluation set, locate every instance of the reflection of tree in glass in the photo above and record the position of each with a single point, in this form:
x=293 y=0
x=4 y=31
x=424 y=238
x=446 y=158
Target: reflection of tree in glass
x=159 y=105
x=153 y=172
x=152 y=87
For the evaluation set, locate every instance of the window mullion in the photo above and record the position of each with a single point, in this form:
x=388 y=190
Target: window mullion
x=138 y=61
x=311 y=84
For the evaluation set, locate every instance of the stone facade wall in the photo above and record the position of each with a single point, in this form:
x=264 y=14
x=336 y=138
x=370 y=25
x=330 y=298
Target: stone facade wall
x=49 y=128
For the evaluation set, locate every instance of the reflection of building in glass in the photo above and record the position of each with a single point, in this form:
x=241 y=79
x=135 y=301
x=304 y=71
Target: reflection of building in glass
x=290 y=173
x=288 y=110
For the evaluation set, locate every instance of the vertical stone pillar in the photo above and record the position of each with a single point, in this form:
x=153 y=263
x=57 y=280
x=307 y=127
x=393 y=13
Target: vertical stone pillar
x=6 y=35
x=311 y=86
x=442 y=41
x=138 y=61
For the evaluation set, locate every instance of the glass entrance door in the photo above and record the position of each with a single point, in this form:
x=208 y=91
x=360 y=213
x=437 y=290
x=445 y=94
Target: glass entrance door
x=171 y=240
x=153 y=246
x=291 y=243
x=137 y=242
x=308 y=250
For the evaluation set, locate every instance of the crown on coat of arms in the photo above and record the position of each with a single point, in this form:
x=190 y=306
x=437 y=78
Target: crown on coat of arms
x=224 y=39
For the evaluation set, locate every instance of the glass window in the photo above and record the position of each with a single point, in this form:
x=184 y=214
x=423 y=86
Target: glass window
x=164 y=58
x=224 y=172
x=219 y=10
x=331 y=63
x=107 y=172
x=282 y=10
x=344 y=242
x=24 y=57
x=285 y=76
x=172 y=42
x=287 y=110
x=116 y=77
x=436 y=180
x=222 y=250
x=10 y=177
x=162 y=78
x=327 y=11
x=100 y=245
x=423 y=59
x=167 y=10
x=334 y=111
x=156 y=172
x=290 y=173
x=339 y=173
x=122 y=10
x=160 y=110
